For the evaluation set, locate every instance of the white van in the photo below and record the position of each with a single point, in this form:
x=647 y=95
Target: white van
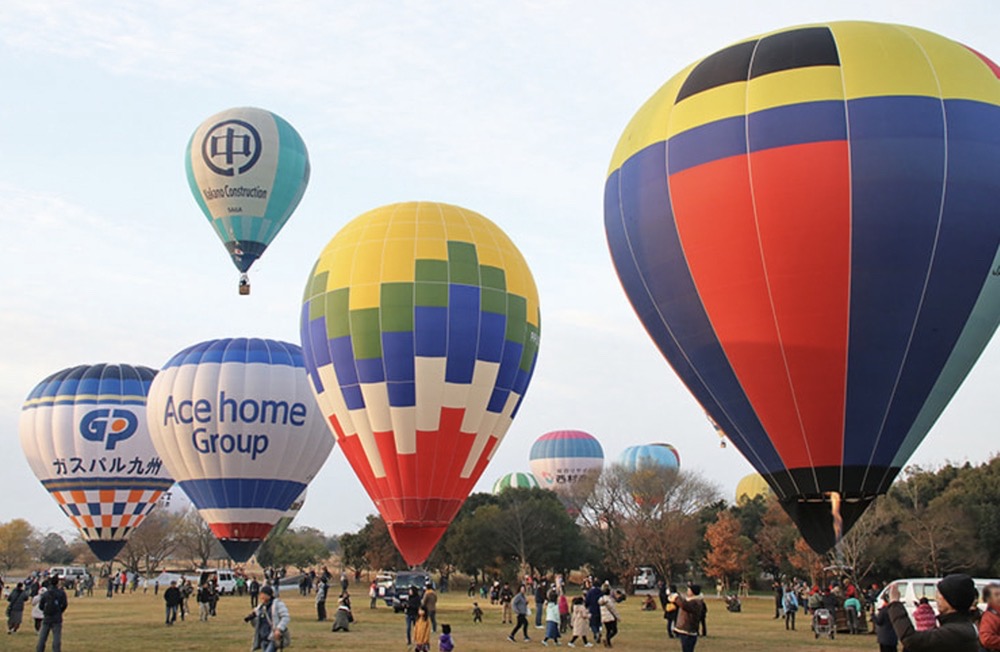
x=70 y=574
x=224 y=578
x=645 y=578
x=914 y=588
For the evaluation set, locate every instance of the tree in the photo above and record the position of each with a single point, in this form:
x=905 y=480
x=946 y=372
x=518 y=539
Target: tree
x=17 y=541
x=775 y=541
x=659 y=529
x=53 y=550
x=152 y=542
x=728 y=556
x=195 y=540
x=533 y=527
x=299 y=547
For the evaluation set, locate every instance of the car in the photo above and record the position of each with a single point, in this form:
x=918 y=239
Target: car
x=911 y=589
x=383 y=583
x=224 y=578
x=70 y=574
x=644 y=579
x=396 y=597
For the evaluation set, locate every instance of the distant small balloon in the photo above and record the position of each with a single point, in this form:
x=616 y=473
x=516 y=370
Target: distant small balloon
x=247 y=169
x=514 y=481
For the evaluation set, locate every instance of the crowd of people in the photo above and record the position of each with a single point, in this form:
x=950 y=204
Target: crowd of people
x=587 y=616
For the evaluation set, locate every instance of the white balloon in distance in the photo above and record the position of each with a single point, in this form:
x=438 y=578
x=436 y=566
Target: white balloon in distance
x=174 y=501
x=83 y=432
x=237 y=425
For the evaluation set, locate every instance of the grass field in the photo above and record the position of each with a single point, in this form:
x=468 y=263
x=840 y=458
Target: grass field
x=135 y=622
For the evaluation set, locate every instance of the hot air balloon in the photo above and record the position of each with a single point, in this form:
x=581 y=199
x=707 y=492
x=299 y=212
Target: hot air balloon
x=751 y=486
x=83 y=430
x=236 y=424
x=567 y=462
x=420 y=328
x=514 y=481
x=806 y=224
x=247 y=169
x=650 y=456
x=649 y=468
x=286 y=520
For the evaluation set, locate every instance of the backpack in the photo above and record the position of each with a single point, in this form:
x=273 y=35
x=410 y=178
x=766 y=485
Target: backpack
x=790 y=603
x=53 y=603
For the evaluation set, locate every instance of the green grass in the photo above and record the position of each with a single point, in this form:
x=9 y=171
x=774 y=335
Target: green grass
x=135 y=622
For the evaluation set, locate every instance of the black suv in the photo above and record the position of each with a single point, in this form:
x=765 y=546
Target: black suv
x=396 y=597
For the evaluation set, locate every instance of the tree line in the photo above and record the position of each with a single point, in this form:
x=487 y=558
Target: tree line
x=931 y=522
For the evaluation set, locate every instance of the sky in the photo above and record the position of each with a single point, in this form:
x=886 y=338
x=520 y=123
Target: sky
x=510 y=108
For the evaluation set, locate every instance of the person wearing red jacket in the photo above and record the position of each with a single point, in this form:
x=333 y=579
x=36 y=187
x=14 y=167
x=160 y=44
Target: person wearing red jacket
x=989 y=625
x=923 y=616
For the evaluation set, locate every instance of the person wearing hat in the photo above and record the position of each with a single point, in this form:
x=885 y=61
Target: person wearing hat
x=689 y=613
x=956 y=596
x=270 y=622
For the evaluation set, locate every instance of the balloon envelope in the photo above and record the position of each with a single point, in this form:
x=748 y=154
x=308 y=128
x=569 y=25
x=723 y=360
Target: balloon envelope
x=806 y=224
x=650 y=456
x=751 y=486
x=515 y=480
x=235 y=422
x=566 y=460
x=420 y=329
x=83 y=431
x=247 y=169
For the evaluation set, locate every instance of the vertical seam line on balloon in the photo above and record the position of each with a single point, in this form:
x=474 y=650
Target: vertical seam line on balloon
x=763 y=264
x=458 y=480
x=635 y=263
x=504 y=262
x=931 y=258
x=385 y=370
x=850 y=251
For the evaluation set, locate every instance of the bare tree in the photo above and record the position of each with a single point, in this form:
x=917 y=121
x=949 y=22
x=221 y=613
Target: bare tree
x=151 y=543
x=195 y=540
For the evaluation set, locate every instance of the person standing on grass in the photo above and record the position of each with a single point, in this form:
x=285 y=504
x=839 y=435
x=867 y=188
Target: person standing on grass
x=254 y=590
x=36 y=610
x=609 y=614
x=430 y=604
x=580 y=622
x=172 y=600
x=689 y=613
x=790 y=603
x=373 y=595
x=520 y=607
x=52 y=604
x=591 y=601
x=15 y=607
x=445 y=642
x=412 y=608
x=422 y=632
x=852 y=607
x=270 y=623
x=204 y=598
x=506 y=595
x=884 y=632
x=540 y=591
x=321 y=589
x=551 y=618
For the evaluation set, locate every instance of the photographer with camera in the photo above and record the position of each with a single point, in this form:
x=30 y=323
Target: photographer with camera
x=270 y=620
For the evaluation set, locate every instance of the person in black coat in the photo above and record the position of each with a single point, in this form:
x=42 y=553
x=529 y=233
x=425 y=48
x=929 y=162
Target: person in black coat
x=172 y=598
x=53 y=603
x=956 y=595
x=886 y=635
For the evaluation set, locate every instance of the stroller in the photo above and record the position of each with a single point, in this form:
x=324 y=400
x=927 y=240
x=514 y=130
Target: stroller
x=733 y=604
x=822 y=623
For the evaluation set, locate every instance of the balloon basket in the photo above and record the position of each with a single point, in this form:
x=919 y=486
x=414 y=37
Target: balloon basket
x=244 y=285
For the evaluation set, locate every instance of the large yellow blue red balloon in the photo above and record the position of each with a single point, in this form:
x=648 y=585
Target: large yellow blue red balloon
x=420 y=327
x=806 y=223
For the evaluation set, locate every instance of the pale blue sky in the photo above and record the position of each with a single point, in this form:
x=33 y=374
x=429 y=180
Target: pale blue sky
x=510 y=108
